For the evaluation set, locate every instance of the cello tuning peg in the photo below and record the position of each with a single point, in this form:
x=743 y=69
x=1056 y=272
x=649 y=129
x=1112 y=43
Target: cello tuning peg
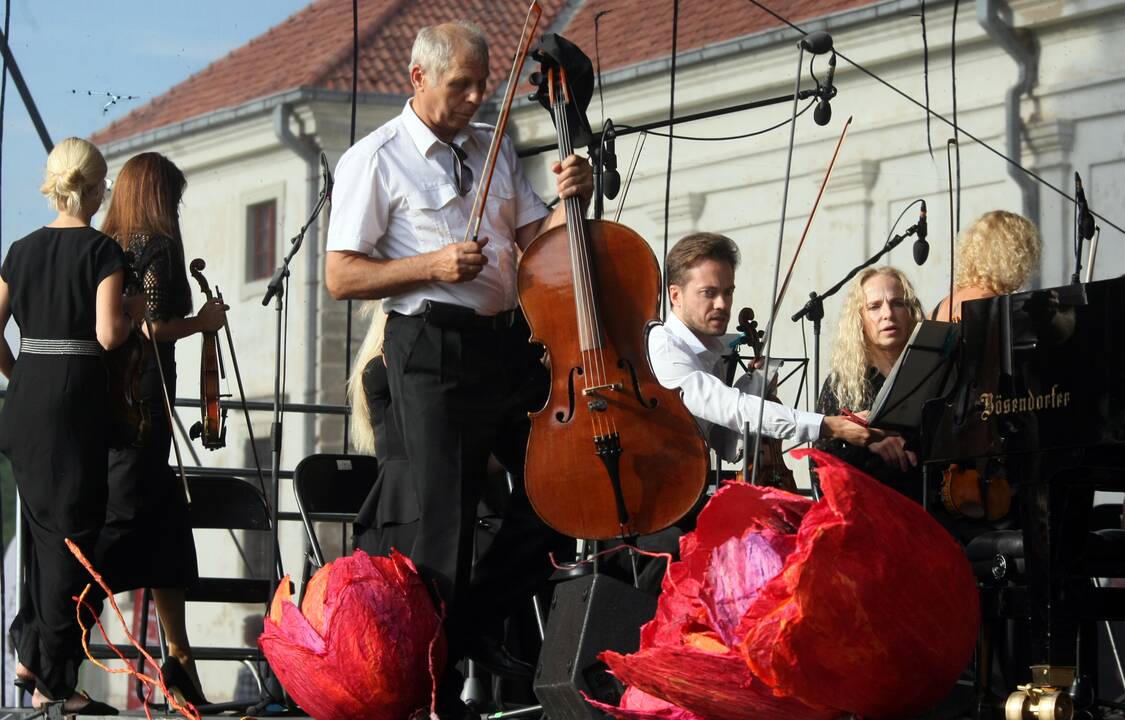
x=533 y=97
x=195 y=431
x=535 y=78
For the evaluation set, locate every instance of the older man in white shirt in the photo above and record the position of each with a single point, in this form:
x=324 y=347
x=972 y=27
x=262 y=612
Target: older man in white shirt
x=461 y=372
x=686 y=351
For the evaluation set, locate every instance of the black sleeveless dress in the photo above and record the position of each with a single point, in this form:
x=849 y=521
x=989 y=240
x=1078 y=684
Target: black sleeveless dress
x=147 y=540
x=52 y=428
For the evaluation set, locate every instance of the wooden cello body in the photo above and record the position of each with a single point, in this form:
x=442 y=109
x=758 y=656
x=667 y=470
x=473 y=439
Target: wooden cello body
x=605 y=406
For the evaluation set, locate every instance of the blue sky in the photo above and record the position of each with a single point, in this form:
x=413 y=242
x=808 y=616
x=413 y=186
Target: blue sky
x=127 y=47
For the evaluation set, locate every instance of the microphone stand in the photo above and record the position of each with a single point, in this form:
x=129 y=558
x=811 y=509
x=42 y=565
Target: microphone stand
x=805 y=43
x=814 y=308
x=276 y=291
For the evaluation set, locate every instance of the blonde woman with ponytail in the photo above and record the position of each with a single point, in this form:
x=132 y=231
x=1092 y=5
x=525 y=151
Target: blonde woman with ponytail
x=878 y=316
x=389 y=517
x=62 y=284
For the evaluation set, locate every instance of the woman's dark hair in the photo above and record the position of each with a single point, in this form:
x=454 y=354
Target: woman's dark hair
x=146 y=200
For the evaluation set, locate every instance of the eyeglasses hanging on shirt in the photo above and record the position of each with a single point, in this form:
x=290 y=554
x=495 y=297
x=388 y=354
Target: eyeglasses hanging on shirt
x=462 y=173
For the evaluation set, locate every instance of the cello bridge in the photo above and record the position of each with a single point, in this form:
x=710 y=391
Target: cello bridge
x=595 y=389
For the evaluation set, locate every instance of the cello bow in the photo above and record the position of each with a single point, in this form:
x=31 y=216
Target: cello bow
x=531 y=23
x=808 y=223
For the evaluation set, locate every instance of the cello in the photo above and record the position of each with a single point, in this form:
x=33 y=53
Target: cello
x=612 y=453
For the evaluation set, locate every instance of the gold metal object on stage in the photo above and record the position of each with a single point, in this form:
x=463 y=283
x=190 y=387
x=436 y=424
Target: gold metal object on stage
x=1045 y=698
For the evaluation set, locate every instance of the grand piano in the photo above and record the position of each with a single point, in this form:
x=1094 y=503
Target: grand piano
x=1039 y=381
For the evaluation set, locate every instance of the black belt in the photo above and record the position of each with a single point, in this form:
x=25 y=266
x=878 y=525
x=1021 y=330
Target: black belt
x=455 y=317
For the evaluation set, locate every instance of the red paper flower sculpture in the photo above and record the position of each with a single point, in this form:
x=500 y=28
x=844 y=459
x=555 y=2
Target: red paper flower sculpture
x=781 y=608
x=362 y=643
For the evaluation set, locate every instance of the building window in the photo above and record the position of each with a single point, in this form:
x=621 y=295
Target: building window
x=261 y=239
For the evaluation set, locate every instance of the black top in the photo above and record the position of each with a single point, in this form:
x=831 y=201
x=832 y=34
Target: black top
x=77 y=260
x=908 y=483
x=160 y=265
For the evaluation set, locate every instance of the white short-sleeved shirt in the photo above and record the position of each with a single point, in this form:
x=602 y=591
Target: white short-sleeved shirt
x=394 y=197
x=682 y=360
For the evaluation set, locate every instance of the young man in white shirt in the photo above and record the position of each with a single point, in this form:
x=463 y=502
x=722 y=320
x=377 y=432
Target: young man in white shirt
x=686 y=351
x=461 y=372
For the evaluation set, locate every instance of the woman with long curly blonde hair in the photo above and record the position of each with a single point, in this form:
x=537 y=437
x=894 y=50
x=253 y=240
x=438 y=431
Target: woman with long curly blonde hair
x=878 y=316
x=996 y=256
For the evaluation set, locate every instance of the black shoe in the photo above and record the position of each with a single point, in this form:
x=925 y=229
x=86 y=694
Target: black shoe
x=180 y=684
x=491 y=655
x=93 y=707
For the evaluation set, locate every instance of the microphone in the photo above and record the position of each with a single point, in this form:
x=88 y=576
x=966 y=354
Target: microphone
x=611 y=179
x=1085 y=218
x=817 y=43
x=823 y=113
x=921 y=247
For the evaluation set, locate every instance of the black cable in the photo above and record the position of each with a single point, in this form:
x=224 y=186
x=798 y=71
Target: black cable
x=939 y=116
x=598 y=58
x=351 y=141
x=724 y=138
x=671 y=138
x=926 y=79
x=891 y=234
x=956 y=134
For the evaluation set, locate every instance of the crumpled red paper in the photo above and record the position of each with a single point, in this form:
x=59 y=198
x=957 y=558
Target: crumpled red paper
x=782 y=608
x=366 y=642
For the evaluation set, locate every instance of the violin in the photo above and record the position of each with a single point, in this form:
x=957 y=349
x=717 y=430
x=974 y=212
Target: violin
x=212 y=427
x=773 y=470
x=128 y=418
x=967 y=493
x=612 y=453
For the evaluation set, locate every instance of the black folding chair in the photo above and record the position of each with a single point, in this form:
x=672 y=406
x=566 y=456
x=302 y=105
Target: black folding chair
x=227 y=503
x=330 y=488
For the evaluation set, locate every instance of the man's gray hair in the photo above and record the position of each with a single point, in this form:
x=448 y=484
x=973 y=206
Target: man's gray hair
x=436 y=45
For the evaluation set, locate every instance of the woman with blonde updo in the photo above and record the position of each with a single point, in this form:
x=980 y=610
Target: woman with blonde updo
x=996 y=256
x=63 y=286
x=878 y=316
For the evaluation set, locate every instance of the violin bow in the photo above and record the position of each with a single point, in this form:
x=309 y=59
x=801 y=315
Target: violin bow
x=242 y=399
x=167 y=404
x=812 y=214
x=534 y=12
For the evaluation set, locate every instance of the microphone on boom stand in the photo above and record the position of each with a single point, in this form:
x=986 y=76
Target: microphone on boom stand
x=921 y=247
x=611 y=180
x=823 y=113
x=1083 y=225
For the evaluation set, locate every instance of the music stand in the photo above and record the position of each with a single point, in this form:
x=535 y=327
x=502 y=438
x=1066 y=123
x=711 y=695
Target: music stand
x=917 y=377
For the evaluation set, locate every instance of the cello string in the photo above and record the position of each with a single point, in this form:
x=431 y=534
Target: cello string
x=576 y=261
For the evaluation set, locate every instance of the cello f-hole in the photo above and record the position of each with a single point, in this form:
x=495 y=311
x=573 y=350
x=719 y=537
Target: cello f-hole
x=569 y=415
x=625 y=364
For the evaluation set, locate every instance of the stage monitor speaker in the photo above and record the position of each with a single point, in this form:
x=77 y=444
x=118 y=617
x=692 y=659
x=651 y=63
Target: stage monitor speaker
x=588 y=615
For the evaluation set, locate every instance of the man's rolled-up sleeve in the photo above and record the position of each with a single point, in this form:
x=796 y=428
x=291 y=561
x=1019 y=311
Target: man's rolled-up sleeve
x=360 y=207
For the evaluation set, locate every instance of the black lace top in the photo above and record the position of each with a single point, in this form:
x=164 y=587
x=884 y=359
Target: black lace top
x=159 y=265
x=909 y=483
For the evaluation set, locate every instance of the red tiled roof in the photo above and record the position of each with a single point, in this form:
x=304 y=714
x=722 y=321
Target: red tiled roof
x=638 y=30
x=313 y=47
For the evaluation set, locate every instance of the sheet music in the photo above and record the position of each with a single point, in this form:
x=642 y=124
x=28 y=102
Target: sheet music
x=916 y=377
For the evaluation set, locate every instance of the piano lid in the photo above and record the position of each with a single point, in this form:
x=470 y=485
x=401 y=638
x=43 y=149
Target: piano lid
x=1038 y=370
